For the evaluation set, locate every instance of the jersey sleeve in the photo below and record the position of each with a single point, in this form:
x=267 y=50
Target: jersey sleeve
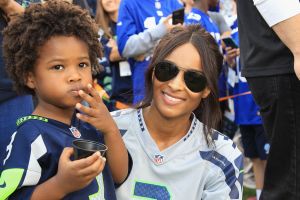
x=20 y=166
x=226 y=183
x=226 y=175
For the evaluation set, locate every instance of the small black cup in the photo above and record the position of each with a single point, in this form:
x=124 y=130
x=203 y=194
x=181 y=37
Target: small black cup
x=85 y=148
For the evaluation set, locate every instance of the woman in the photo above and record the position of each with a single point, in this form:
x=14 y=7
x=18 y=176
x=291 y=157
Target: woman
x=117 y=77
x=174 y=155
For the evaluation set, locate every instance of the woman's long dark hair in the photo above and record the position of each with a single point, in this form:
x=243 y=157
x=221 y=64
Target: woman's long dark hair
x=208 y=111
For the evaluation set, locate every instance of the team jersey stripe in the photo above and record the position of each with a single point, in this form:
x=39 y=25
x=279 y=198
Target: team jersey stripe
x=33 y=174
x=227 y=168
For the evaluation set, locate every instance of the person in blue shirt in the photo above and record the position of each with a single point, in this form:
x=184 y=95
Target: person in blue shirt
x=140 y=25
x=199 y=15
x=120 y=90
x=51 y=51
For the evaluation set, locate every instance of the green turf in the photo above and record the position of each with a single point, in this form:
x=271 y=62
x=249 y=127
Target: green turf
x=248 y=193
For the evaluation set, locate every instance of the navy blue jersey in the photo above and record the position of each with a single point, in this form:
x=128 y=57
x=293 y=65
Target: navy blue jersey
x=33 y=154
x=121 y=85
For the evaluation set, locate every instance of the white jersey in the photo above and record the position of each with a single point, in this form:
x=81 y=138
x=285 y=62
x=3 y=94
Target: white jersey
x=187 y=170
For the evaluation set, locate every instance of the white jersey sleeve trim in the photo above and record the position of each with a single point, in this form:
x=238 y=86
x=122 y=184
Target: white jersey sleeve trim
x=275 y=11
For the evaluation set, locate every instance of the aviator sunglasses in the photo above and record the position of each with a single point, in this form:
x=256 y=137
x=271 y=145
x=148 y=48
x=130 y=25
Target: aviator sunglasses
x=166 y=70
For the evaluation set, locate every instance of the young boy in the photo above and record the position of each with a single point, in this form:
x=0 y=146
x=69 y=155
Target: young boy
x=51 y=51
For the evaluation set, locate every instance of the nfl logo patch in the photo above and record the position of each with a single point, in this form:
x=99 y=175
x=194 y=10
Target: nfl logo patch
x=158 y=159
x=75 y=132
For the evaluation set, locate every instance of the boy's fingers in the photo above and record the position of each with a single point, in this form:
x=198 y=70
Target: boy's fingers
x=67 y=153
x=94 y=93
x=85 y=162
x=95 y=168
x=87 y=110
x=83 y=117
x=85 y=96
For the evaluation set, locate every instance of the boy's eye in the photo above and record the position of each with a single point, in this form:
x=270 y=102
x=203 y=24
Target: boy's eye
x=58 y=67
x=83 y=65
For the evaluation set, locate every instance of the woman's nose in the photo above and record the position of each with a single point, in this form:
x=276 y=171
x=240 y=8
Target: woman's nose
x=177 y=83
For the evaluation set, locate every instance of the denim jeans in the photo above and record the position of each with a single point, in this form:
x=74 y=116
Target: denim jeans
x=279 y=101
x=10 y=111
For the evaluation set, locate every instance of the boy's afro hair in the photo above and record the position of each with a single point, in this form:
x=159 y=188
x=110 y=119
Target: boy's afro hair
x=29 y=31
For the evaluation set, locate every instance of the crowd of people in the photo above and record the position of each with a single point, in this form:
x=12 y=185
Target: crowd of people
x=166 y=99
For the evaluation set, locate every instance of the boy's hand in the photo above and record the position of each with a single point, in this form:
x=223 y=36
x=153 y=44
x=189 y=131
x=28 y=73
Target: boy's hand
x=75 y=175
x=96 y=114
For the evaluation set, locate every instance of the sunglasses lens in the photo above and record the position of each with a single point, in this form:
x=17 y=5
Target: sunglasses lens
x=196 y=82
x=165 y=71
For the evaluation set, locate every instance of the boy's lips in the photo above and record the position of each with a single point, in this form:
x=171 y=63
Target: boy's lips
x=76 y=89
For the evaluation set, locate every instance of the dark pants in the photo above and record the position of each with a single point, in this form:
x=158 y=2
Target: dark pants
x=279 y=100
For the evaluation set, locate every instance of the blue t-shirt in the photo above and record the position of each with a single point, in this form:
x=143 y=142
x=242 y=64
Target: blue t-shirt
x=33 y=154
x=136 y=16
x=196 y=16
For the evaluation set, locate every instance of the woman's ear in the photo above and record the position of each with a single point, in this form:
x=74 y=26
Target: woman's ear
x=30 y=81
x=205 y=93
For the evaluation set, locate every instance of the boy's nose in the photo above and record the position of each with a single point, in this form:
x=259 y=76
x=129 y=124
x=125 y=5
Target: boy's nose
x=74 y=76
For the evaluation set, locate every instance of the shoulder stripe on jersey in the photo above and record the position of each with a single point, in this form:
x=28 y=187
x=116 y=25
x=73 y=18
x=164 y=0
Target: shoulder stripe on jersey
x=227 y=168
x=26 y=118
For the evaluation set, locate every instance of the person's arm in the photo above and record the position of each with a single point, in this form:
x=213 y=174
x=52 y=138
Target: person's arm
x=219 y=20
x=114 y=54
x=284 y=18
x=130 y=42
x=11 y=8
x=224 y=180
x=288 y=31
x=98 y=116
x=143 y=42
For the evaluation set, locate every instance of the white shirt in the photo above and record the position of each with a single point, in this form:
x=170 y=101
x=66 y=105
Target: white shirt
x=187 y=170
